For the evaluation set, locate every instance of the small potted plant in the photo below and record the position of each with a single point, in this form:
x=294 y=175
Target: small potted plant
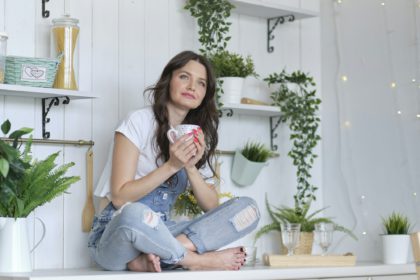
x=396 y=238
x=231 y=69
x=248 y=162
x=301 y=216
x=25 y=184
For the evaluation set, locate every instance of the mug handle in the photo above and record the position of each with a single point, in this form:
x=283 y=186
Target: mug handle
x=42 y=237
x=170 y=133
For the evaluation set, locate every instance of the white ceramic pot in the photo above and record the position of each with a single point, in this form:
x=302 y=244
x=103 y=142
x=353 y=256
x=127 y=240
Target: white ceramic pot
x=395 y=248
x=244 y=172
x=232 y=90
x=14 y=245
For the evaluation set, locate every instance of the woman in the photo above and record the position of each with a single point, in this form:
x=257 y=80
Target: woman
x=134 y=231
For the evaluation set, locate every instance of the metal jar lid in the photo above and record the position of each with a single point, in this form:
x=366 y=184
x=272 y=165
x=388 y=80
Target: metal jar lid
x=65 y=20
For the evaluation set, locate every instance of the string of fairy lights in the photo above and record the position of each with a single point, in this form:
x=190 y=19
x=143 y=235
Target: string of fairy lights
x=411 y=82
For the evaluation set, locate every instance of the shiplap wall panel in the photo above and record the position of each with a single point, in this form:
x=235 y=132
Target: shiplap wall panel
x=180 y=21
x=78 y=125
x=156 y=39
x=104 y=78
x=131 y=56
x=2 y=29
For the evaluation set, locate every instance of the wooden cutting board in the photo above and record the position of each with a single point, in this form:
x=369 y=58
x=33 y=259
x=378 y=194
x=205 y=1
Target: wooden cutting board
x=308 y=260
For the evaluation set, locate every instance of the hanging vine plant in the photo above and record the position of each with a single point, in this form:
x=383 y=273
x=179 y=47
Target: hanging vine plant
x=213 y=27
x=299 y=106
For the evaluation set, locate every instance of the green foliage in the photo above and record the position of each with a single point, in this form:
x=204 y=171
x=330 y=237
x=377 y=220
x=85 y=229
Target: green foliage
x=213 y=27
x=25 y=183
x=290 y=215
x=396 y=223
x=187 y=205
x=256 y=152
x=299 y=106
x=229 y=64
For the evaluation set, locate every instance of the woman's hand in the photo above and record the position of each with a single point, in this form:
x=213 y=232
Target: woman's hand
x=200 y=145
x=183 y=151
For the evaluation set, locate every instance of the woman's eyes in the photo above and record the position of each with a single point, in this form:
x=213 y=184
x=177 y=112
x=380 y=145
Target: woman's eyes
x=186 y=77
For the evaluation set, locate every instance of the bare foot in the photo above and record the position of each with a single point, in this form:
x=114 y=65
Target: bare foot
x=145 y=263
x=228 y=259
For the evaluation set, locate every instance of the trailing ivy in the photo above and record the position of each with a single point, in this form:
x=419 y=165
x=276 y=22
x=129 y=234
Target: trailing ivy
x=299 y=106
x=211 y=18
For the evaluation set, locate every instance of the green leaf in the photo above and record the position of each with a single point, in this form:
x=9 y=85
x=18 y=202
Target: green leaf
x=4 y=167
x=5 y=127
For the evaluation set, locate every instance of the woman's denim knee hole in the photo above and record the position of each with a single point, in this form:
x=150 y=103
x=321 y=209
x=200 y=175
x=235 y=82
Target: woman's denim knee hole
x=248 y=216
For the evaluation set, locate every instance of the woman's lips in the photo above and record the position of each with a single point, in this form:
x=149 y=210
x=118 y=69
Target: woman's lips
x=188 y=95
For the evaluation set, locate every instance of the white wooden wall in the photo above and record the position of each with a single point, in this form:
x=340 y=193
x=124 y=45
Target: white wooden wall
x=123 y=46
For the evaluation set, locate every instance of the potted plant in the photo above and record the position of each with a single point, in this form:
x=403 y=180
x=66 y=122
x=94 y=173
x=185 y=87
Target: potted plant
x=25 y=184
x=231 y=69
x=248 y=162
x=213 y=31
x=296 y=98
x=396 y=238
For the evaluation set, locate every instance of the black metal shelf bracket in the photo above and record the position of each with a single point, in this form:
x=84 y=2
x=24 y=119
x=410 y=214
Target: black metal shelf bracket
x=45 y=13
x=53 y=101
x=229 y=112
x=272 y=26
x=273 y=134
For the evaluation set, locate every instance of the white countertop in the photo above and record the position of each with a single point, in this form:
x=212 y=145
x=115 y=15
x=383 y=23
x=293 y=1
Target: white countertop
x=257 y=272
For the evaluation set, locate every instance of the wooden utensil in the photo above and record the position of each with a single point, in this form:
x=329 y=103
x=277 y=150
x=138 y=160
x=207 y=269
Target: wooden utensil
x=89 y=209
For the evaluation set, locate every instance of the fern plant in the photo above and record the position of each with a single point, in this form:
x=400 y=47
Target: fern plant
x=26 y=183
x=289 y=215
x=256 y=152
x=396 y=223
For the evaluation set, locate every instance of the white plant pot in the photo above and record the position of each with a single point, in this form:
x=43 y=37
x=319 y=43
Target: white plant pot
x=14 y=245
x=244 y=172
x=232 y=90
x=395 y=248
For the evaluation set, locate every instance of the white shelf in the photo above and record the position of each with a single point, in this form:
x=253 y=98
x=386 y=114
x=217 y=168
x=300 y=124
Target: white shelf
x=38 y=92
x=255 y=110
x=246 y=273
x=269 y=9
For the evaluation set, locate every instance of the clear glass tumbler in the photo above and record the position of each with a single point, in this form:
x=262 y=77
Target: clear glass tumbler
x=290 y=234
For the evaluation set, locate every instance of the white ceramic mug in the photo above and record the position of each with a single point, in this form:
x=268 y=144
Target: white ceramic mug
x=180 y=130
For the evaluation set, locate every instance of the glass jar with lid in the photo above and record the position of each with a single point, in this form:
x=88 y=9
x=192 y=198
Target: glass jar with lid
x=3 y=49
x=64 y=33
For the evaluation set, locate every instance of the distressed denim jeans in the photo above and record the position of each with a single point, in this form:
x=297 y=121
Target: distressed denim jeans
x=119 y=236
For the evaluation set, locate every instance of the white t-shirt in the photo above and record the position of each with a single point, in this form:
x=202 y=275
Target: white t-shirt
x=139 y=127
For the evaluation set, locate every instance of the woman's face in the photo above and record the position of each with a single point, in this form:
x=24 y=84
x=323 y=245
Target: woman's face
x=188 y=85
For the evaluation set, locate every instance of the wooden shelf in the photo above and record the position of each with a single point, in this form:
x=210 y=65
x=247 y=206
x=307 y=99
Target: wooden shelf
x=38 y=92
x=255 y=110
x=269 y=9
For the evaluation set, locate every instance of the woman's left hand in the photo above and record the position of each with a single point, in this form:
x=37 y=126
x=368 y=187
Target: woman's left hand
x=200 y=144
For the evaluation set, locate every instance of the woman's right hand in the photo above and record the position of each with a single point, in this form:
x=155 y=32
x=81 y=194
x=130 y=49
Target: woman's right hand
x=181 y=152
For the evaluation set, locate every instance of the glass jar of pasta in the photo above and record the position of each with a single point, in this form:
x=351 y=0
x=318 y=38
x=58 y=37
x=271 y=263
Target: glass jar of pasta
x=64 y=33
x=3 y=47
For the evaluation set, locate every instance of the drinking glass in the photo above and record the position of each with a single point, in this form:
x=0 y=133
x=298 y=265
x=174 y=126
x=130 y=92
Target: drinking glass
x=323 y=236
x=290 y=234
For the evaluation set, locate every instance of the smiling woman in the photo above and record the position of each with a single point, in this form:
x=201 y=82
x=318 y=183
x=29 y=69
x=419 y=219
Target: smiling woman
x=135 y=230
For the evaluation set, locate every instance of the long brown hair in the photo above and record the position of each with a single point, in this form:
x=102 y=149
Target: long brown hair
x=205 y=115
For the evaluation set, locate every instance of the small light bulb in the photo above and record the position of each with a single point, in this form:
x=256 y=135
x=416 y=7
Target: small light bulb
x=399 y=112
x=383 y=3
x=339 y=1
x=347 y=124
x=393 y=84
x=362 y=196
x=364 y=233
x=344 y=78
x=414 y=194
x=413 y=80
x=418 y=116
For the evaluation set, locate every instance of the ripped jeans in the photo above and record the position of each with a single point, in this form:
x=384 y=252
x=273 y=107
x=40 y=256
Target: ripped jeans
x=138 y=229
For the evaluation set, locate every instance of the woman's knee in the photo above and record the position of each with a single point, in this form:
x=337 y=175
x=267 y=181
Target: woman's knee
x=248 y=214
x=131 y=213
